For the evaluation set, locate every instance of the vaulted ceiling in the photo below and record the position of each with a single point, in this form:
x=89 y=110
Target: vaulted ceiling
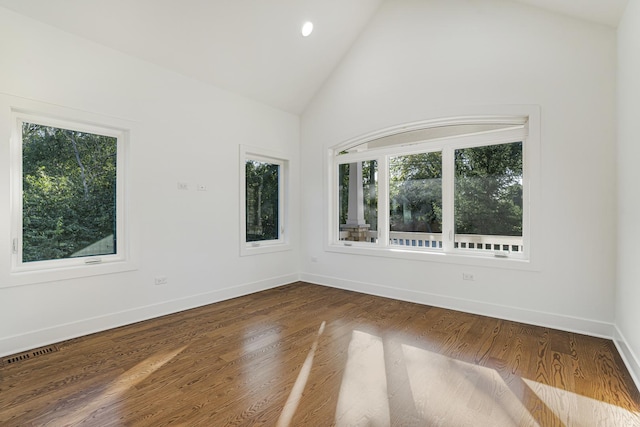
x=250 y=47
x=607 y=12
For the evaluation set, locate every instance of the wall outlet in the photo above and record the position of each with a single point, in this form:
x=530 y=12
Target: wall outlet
x=161 y=280
x=467 y=276
x=183 y=186
x=202 y=187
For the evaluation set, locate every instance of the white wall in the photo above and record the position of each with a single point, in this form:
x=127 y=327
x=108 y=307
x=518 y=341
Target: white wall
x=628 y=282
x=185 y=131
x=418 y=59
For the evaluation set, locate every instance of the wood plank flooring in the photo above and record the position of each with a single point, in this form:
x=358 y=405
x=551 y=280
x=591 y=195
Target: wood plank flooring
x=306 y=355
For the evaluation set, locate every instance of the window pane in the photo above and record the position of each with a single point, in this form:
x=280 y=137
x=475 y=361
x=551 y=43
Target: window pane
x=488 y=197
x=262 y=201
x=358 y=204
x=415 y=200
x=69 y=193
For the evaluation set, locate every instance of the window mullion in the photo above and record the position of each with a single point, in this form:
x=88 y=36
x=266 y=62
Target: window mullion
x=17 y=184
x=526 y=194
x=281 y=203
x=448 y=177
x=383 y=201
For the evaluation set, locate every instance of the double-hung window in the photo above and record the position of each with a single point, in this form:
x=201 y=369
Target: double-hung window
x=459 y=187
x=68 y=195
x=263 y=204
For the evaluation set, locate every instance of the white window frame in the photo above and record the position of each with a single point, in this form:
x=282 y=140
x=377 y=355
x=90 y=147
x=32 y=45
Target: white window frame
x=526 y=128
x=283 y=242
x=22 y=273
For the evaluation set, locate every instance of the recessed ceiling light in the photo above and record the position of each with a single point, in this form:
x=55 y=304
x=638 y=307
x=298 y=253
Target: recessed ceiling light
x=307 y=28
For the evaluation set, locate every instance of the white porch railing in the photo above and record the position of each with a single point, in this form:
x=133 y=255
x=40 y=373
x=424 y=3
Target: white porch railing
x=424 y=240
x=508 y=244
x=511 y=244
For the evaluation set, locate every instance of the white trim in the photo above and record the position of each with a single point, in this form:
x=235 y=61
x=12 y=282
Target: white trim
x=630 y=359
x=481 y=139
x=532 y=317
x=448 y=200
x=30 y=340
x=125 y=258
x=383 y=201
x=516 y=116
x=459 y=257
x=283 y=242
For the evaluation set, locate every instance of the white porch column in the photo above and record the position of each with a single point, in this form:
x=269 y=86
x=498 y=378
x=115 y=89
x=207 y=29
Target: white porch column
x=356 y=226
x=355 y=215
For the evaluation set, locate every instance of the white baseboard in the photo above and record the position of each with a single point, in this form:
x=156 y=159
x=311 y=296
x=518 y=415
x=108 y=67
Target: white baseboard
x=58 y=333
x=630 y=359
x=538 y=318
x=43 y=337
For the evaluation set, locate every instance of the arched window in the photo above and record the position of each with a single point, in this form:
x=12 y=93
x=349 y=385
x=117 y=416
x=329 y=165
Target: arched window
x=458 y=186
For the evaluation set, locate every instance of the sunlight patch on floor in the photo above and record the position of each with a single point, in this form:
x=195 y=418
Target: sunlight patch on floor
x=577 y=410
x=363 y=399
x=291 y=405
x=255 y=338
x=117 y=388
x=452 y=392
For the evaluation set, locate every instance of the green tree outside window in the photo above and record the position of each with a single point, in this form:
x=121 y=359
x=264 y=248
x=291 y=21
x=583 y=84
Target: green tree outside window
x=69 y=193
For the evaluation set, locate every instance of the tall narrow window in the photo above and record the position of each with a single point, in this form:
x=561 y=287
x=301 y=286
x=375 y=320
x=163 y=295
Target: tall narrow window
x=358 y=204
x=488 y=197
x=263 y=201
x=415 y=200
x=70 y=194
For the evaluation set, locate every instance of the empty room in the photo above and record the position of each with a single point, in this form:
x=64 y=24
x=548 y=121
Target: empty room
x=320 y=213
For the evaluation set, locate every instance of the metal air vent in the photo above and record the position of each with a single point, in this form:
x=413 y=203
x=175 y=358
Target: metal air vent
x=27 y=355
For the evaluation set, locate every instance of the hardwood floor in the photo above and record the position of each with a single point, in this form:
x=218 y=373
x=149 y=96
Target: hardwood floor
x=306 y=355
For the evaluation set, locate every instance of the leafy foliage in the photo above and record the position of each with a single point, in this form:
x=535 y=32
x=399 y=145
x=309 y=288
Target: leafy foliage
x=69 y=191
x=262 y=180
x=488 y=190
x=415 y=193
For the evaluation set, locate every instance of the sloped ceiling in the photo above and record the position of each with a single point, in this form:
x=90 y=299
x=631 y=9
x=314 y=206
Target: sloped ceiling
x=250 y=47
x=607 y=12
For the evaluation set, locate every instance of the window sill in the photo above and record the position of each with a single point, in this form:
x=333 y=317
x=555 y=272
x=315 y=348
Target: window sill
x=264 y=248
x=460 y=258
x=32 y=277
